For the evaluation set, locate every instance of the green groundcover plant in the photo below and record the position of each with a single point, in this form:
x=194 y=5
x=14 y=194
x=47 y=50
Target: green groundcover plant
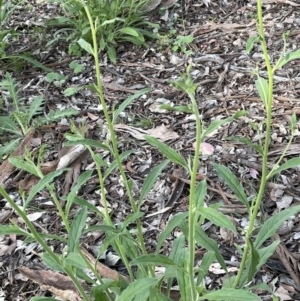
x=116 y=22
x=21 y=120
x=180 y=263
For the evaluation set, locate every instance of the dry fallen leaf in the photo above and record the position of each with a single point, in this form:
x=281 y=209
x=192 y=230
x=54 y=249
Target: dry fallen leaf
x=161 y=132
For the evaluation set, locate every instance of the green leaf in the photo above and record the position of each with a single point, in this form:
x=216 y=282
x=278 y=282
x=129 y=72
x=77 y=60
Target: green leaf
x=46 y=180
x=76 y=230
x=127 y=102
x=71 y=91
x=83 y=178
x=51 y=263
x=206 y=261
x=151 y=179
x=173 y=222
x=114 y=163
x=288 y=164
x=52 y=76
x=86 y=46
x=9 y=147
x=270 y=227
x=254 y=261
x=233 y=182
x=246 y=141
x=14 y=229
x=137 y=287
x=130 y=31
x=230 y=294
x=200 y=193
x=217 y=218
x=262 y=87
x=155 y=259
x=36 y=107
x=250 y=43
x=30 y=60
x=167 y=151
x=8 y=124
x=82 y=202
x=209 y=244
x=101 y=228
x=112 y=54
x=77 y=68
x=75 y=260
x=294 y=55
x=156 y=295
x=214 y=125
x=132 y=217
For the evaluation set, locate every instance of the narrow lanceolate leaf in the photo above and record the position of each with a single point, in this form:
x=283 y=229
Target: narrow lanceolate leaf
x=173 y=222
x=230 y=294
x=151 y=179
x=288 y=164
x=217 y=218
x=155 y=259
x=209 y=244
x=200 y=193
x=138 y=287
x=262 y=87
x=294 y=55
x=214 y=125
x=233 y=182
x=254 y=261
x=167 y=151
x=270 y=227
x=130 y=31
x=5 y=230
x=76 y=230
x=86 y=46
x=127 y=102
x=206 y=261
x=250 y=43
x=46 y=180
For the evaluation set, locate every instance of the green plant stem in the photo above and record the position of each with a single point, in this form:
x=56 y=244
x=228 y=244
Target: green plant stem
x=256 y=205
x=192 y=205
x=107 y=216
x=113 y=137
x=47 y=249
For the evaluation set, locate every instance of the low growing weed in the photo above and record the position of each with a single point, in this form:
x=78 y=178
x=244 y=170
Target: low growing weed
x=22 y=119
x=116 y=22
x=180 y=263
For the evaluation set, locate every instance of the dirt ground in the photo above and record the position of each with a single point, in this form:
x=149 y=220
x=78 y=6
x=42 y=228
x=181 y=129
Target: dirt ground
x=226 y=84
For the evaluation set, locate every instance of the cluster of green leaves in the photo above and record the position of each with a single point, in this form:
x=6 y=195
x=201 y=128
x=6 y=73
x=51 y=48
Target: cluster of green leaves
x=21 y=119
x=116 y=22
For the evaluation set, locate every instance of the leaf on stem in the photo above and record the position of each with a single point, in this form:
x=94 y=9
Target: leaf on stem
x=127 y=102
x=233 y=182
x=230 y=294
x=294 y=55
x=151 y=178
x=288 y=164
x=167 y=151
x=86 y=46
x=173 y=222
x=217 y=218
x=46 y=180
x=270 y=227
x=262 y=88
x=76 y=230
x=137 y=287
x=250 y=43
